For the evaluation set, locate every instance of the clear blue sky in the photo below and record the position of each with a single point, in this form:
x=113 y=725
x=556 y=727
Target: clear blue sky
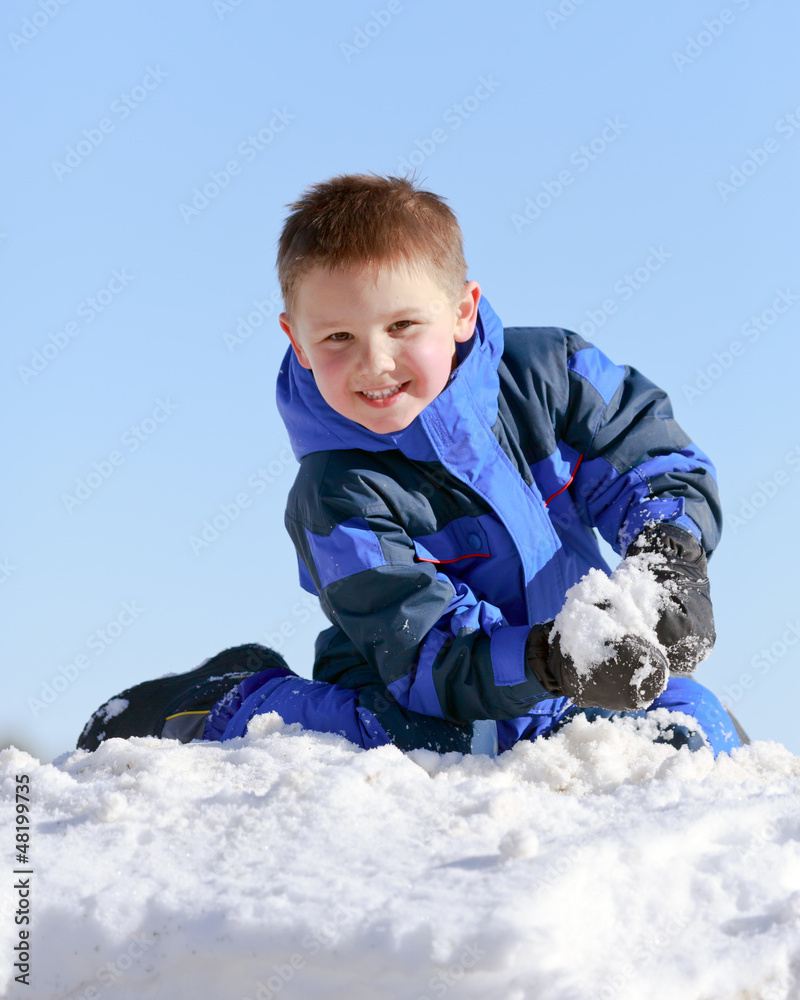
x=654 y=147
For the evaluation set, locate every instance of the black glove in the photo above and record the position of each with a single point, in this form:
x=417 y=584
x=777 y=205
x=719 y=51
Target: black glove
x=632 y=676
x=686 y=626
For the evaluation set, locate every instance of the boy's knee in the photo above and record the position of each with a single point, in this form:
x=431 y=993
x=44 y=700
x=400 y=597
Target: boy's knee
x=411 y=730
x=685 y=694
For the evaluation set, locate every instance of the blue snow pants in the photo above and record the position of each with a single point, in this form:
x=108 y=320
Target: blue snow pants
x=329 y=708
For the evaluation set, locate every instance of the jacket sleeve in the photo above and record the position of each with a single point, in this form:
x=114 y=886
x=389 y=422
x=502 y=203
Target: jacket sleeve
x=438 y=649
x=631 y=462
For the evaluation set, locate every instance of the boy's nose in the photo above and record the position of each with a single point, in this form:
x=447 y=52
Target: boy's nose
x=377 y=358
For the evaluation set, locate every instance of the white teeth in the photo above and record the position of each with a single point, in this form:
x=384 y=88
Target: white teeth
x=381 y=394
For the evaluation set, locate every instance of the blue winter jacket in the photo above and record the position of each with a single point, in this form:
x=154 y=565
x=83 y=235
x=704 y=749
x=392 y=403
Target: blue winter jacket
x=435 y=548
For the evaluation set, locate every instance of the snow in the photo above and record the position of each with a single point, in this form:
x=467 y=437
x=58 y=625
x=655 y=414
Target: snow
x=113 y=708
x=601 y=608
x=588 y=866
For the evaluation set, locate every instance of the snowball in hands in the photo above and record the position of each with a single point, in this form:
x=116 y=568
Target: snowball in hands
x=605 y=637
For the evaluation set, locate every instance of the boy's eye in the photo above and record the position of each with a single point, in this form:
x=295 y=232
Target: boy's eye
x=341 y=335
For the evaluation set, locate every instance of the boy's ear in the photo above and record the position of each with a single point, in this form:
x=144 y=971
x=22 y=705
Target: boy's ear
x=300 y=354
x=467 y=312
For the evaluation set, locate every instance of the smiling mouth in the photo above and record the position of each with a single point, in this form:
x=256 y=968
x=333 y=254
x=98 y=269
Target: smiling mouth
x=379 y=394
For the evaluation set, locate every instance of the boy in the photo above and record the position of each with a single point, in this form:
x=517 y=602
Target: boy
x=451 y=475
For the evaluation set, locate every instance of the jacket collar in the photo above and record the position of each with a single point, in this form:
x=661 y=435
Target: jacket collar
x=474 y=385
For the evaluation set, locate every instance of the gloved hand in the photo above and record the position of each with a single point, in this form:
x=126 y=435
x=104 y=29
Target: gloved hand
x=632 y=676
x=686 y=626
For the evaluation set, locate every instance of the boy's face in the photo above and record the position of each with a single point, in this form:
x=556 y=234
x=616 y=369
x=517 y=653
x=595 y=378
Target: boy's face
x=381 y=343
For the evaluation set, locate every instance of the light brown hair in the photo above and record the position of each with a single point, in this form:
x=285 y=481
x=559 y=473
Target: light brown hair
x=366 y=219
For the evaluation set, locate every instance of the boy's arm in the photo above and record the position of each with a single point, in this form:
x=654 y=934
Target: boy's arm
x=641 y=481
x=438 y=649
x=632 y=462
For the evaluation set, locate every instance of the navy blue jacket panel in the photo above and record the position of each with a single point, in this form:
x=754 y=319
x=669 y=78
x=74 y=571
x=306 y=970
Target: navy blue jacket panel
x=433 y=550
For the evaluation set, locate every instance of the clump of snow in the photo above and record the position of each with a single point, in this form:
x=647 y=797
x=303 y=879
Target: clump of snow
x=113 y=708
x=601 y=609
x=292 y=864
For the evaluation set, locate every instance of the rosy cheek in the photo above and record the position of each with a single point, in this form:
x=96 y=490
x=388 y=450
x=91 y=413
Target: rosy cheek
x=434 y=362
x=327 y=367
x=334 y=382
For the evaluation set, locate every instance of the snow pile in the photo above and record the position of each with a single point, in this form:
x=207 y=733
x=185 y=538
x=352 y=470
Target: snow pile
x=589 y=866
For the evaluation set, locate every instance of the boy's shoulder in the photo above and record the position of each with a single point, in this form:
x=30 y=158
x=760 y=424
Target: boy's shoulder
x=534 y=374
x=335 y=486
x=548 y=348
